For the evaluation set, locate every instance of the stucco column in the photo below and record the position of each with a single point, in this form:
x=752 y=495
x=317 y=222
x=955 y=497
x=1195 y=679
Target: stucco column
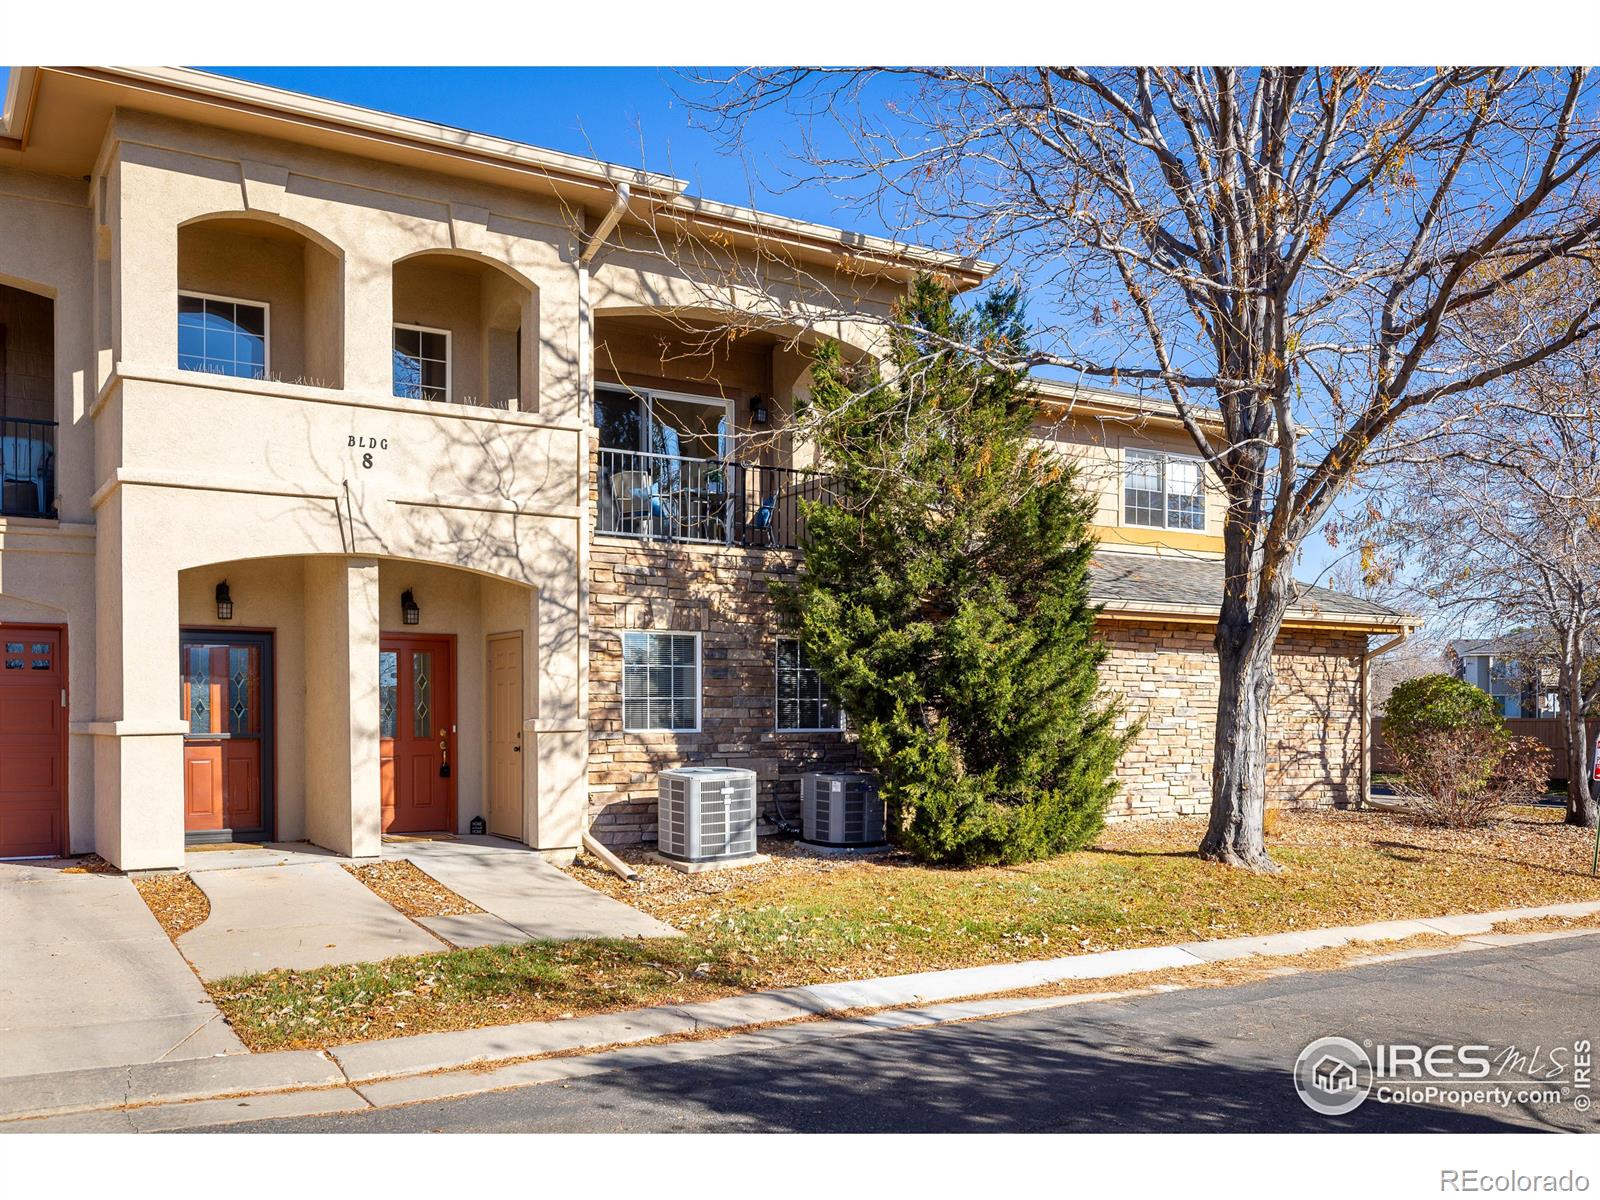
x=138 y=733
x=368 y=325
x=556 y=780
x=343 y=799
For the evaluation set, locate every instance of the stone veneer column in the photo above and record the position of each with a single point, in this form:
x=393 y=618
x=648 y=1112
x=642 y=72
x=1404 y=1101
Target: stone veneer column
x=343 y=791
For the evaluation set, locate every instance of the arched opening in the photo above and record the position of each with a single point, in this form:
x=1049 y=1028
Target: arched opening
x=27 y=404
x=693 y=419
x=259 y=299
x=465 y=332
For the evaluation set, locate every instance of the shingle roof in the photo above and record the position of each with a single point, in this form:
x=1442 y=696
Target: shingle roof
x=1134 y=579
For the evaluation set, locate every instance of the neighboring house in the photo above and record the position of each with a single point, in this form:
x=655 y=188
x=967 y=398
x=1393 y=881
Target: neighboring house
x=1521 y=682
x=365 y=475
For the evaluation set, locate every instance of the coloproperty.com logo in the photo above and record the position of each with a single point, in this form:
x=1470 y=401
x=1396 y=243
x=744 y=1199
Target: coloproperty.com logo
x=1335 y=1075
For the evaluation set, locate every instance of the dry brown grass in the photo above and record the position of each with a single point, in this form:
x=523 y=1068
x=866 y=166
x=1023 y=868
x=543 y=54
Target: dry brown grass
x=806 y=918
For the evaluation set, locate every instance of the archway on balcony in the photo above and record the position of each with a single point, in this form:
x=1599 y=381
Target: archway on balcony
x=27 y=403
x=260 y=299
x=465 y=332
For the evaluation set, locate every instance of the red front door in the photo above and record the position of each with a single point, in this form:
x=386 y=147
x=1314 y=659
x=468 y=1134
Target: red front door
x=416 y=715
x=226 y=687
x=33 y=760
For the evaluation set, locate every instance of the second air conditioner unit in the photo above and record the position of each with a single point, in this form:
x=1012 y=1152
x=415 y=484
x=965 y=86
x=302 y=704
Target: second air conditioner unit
x=706 y=814
x=840 y=809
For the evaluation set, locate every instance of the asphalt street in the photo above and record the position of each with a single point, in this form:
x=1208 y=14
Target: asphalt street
x=1195 y=1061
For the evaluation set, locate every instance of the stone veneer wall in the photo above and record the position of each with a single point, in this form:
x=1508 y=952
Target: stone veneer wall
x=1167 y=675
x=721 y=593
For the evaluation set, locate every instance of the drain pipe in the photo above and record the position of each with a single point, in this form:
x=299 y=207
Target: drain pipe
x=610 y=861
x=1365 y=798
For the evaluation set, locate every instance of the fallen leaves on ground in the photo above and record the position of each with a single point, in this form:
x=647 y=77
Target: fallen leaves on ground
x=176 y=900
x=806 y=917
x=411 y=890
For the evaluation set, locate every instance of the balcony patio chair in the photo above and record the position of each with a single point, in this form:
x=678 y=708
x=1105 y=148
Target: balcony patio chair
x=761 y=523
x=633 y=497
x=26 y=467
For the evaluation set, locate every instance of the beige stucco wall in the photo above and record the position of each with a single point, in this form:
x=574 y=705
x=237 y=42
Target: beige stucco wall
x=1097 y=446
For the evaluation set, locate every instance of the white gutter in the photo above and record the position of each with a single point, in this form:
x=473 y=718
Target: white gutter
x=608 y=222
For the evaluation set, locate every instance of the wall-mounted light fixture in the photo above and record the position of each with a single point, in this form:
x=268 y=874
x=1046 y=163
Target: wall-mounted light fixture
x=224 y=602
x=758 y=410
x=409 y=612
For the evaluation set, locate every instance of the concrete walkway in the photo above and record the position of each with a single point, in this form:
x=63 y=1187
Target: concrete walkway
x=290 y=907
x=522 y=896
x=89 y=979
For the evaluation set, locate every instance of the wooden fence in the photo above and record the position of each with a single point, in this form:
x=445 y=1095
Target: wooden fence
x=1549 y=730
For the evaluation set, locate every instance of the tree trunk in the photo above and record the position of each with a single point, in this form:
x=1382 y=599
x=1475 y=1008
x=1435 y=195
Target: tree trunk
x=1239 y=758
x=1580 y=790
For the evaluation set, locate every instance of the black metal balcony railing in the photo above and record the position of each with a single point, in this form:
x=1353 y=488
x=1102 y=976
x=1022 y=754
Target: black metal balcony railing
x=27 y=467
x=669 y=498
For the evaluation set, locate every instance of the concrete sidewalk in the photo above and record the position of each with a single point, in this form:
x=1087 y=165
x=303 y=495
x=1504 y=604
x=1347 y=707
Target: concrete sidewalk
x=522 y=896
x=89 y=979
x=432 y=1066
x=270 y=911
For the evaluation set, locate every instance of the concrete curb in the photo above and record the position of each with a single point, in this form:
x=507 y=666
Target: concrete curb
x=399 y=1070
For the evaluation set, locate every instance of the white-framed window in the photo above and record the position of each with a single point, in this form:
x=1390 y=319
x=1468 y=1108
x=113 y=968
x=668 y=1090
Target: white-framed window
x=1163 y=491
x=660 y=682
x=421 y=363
x=223 y=335
x=804 y=704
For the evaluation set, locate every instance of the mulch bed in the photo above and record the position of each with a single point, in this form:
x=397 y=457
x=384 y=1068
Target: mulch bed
x=176 y=900
x=409 y=889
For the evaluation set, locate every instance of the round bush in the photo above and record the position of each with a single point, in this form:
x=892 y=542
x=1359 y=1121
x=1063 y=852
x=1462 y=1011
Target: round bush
x=1437 y=704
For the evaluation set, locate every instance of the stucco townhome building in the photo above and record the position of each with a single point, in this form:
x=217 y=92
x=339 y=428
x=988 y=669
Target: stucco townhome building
x=363 y=475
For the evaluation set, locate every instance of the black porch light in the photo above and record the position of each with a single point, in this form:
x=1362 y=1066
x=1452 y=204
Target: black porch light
x=409 y=612
x=758 y=410
x=224 y=602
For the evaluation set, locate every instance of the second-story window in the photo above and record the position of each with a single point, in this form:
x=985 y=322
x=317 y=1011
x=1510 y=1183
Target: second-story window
x=421 y=363
x=1165 y=491
x=222 y=336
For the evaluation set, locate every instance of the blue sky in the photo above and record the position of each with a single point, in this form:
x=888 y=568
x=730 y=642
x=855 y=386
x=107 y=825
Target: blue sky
x=626 y=115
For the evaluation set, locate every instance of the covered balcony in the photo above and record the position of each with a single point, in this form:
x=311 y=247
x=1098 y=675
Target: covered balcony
x=27 y=404
x=691 y=429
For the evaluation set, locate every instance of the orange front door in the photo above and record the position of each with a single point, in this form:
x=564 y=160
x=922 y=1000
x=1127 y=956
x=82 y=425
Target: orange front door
x=33 y=760
x=416 y=715
x=226 y=687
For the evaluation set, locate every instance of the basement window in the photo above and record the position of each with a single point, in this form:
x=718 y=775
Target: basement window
x=1163 y=491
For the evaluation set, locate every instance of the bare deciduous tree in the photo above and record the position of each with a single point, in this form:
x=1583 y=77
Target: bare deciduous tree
x=1304 y=249
x=1500 y=516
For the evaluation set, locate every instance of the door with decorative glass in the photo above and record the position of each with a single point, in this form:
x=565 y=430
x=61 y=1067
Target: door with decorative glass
x=416 y=731
x=225 y=687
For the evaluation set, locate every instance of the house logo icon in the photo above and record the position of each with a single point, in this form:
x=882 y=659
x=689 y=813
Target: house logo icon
x=1333 y=1076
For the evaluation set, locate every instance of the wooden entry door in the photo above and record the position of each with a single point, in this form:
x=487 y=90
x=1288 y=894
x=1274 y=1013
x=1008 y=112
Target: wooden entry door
x=416 y=727
x=225 y=678
x=33 y=741
x=505 y=735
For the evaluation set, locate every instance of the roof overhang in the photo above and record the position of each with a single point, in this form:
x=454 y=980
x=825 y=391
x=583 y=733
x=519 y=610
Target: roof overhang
x=1087 y=401
x=1199 y=614
x=56 y=118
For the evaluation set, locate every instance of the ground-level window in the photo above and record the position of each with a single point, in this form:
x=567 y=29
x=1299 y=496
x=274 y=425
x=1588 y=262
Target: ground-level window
x=1166 y=491
x=421 y=363
x=804 y=704
x=222 y=336
x=660 y=682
